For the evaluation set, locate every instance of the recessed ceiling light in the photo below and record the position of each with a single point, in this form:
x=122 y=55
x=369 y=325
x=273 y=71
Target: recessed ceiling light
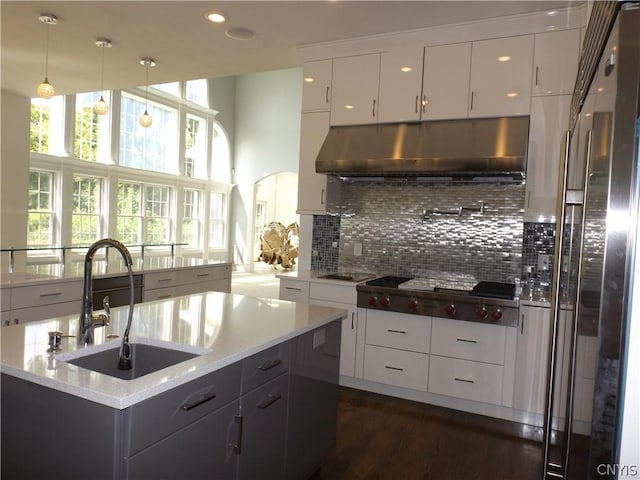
x=349 y=107
x=240 y=33
x=406 y=69
x=512 y=94
x=216 y=16
x=309 y=79
x=504 y=58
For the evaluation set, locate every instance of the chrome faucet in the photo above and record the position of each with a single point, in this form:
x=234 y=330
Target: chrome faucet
x=88 y=321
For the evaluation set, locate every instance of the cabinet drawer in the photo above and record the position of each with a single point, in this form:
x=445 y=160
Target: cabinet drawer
x=159 y=416
x=45 y=312
x=334 y=293
x=481 y=382
x=48 y=294
x=398 y=330
x=202 y=275
x=396 y=367
x=5 y=299
x=264 y=366
x=168 y=292
x=166 y=278
x=294 y=290
x=467 y=340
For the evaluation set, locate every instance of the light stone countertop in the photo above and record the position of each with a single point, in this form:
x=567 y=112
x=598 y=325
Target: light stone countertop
x=114 y=268
x=223 y=328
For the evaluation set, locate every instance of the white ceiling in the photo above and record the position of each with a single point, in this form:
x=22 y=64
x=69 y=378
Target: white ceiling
x=186 y=46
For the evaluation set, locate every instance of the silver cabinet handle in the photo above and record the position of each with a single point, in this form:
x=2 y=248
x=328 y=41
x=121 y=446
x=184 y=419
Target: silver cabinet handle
x=391 y=330
x=472 y=97
x=203 y=275
x=373 y=109
x=161 y=297
x=50 y=294
x=466 y=340
x=322 y=197
x=293 y=288
x=269 y=400
x=269 y=364
x=326 y=95
x=424 y=104
x=522 y=324
x=464 y=380
x=353 y=326
x=536 y=81
x=164 y=279
x=394 y=368
x=417 y=98
x=204 y=398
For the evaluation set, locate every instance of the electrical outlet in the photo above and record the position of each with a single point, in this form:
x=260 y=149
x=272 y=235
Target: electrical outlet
x=319 y=338
x=544 y=261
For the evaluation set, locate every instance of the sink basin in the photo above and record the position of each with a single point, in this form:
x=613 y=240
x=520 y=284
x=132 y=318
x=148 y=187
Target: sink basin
x=146 y=359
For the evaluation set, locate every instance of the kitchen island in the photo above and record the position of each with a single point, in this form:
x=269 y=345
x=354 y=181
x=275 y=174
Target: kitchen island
x=260 y=394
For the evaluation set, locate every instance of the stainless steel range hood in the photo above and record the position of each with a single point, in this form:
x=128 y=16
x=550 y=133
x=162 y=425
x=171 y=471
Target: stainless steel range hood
x=486 y=147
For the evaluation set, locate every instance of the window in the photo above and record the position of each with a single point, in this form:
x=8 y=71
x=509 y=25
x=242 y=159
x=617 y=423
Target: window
x=221 y=157
x=129 y=225
x=172 y=88
x=195 y=147
x=41 y=215
x=153 y=148
x=46 y=125
x=197 y=92
x=190 y=218
x=216 y=220
x=85 y=216
x=157 y=214
x=85 y=144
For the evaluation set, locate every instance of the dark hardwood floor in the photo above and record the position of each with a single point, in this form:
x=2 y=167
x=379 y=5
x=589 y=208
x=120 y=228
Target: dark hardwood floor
x=382 y=437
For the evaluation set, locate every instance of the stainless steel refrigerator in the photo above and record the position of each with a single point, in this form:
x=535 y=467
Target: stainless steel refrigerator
x=595 y=248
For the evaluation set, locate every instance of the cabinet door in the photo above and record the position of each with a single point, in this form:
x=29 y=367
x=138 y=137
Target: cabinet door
x=445 y=83
x=316 y=89
x=312 y=186
x=44 y=312
x=501 y=76
x=204 y=449
x=532 y=351
x=401 y=85
x=294 y=290
x=354 y=99
x=555 y=62
x=264 y=428
x=349 y=335
x=549 y=120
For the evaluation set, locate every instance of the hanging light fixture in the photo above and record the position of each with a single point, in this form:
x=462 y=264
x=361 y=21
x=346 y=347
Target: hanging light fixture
x=101 y=107
x=45 y=89
x=145 y=119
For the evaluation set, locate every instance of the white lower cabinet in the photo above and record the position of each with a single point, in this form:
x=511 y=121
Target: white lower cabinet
x=294 y=290
x=340 y=296
x=479 y=342
x=398 y=330
x=477 y=381
x=185 y=281
x=396 y=367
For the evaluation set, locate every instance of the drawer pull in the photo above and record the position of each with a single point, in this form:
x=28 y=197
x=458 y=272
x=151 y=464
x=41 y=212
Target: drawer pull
x=293 y=288
x=204 y=397
x=50 y=294
x=165 y=279
x=390 y=330
x=394 y=368
x=464 y=380
x=269 y=364
x=200 y=275
x=465 y=340
x=237 y=447
x=160 y=297
x=269 y=400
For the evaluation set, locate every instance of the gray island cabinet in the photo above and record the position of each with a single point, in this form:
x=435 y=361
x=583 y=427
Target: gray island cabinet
x=259 y=402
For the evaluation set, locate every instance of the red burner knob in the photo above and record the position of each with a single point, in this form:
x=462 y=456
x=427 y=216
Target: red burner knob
x=413 y=304
x=384 y=302
x=497 y=314
x=372 y=300
x=450 y=309
x=482 y=313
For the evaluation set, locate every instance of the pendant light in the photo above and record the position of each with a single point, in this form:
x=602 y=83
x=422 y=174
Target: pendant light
x=45 y=89
x=101 y=107
x=145 y=119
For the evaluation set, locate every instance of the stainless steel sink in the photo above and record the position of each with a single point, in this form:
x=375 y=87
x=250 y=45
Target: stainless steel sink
x=146 y=359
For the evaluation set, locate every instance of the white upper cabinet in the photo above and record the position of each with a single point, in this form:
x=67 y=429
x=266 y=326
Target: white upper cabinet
x=312 y=186
x=316 y=87
x=501 y=73
x=354 y=99
x=555 y=62
x=549 y=120
x=400 y=85
x=445 y=84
